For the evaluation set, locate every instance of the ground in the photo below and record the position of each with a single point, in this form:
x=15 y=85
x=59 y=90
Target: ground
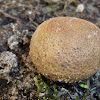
x=19 y=78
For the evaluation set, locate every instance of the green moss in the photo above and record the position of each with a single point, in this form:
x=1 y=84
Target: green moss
x=83 y=86
x=44 y=91
x=51 y=8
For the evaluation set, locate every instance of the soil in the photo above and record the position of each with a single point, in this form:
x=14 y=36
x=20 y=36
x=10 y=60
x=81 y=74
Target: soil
x=18 y=75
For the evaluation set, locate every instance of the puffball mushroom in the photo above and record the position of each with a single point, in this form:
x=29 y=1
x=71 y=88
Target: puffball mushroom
x=66 y=49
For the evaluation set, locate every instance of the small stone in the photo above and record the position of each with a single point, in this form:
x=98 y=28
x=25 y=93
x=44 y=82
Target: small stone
x=80 y=8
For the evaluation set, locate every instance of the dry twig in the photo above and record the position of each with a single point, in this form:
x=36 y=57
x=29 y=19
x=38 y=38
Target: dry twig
x=10 y=16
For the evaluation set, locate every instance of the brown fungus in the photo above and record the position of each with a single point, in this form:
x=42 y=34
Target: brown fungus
x=66 y=49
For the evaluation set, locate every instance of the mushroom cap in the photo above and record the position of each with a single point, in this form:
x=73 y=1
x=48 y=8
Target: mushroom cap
x=66 y=49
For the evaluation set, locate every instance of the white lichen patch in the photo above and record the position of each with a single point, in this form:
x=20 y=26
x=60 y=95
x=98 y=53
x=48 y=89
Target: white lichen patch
x=13 y=42
x=7 y=61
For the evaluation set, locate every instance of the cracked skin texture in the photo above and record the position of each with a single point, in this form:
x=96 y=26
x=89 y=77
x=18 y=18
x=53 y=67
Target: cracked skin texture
x=66 y=49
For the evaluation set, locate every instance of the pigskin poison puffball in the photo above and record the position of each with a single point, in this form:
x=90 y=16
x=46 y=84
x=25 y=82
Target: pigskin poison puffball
x=66 y=49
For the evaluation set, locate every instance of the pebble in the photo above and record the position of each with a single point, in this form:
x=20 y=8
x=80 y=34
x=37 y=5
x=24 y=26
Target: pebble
x=80 y=8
